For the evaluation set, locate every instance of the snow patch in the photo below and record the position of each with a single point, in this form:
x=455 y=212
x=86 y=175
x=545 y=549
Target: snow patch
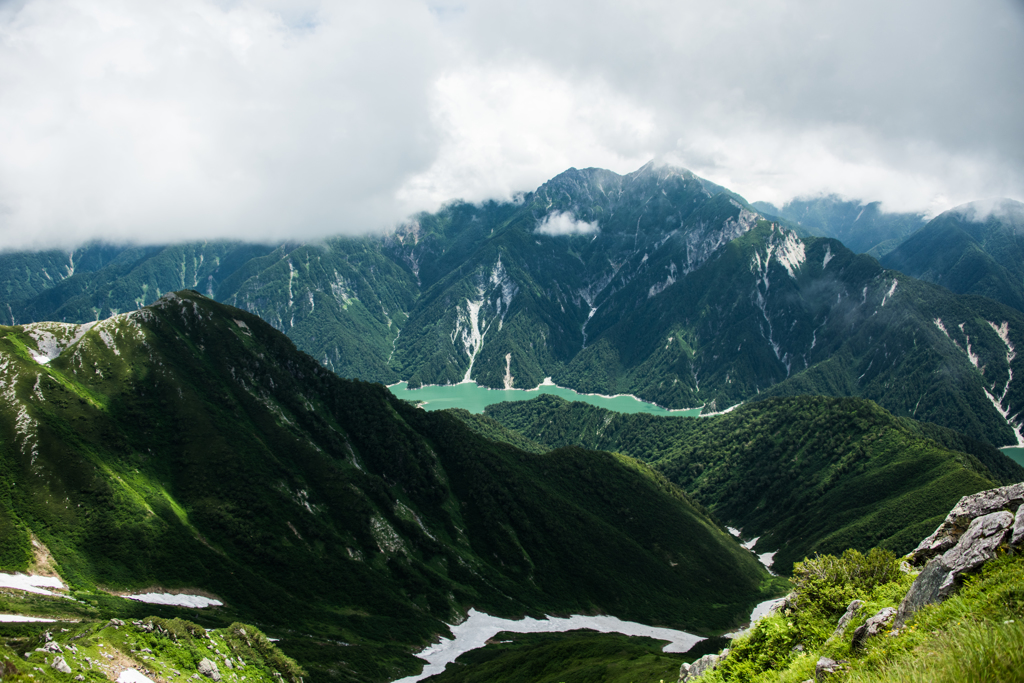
x=478 y=628
x=761 y=609
x=133 y=676
x=178 y=600
x=889 y=294
x=11 y=618
x=508 y=371
x=828 y=256
x=791 y=253
x=31 y=584
x=735 y=532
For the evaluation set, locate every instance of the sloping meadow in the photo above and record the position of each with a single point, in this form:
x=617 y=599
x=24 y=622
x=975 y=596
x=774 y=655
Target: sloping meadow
x=190 y=444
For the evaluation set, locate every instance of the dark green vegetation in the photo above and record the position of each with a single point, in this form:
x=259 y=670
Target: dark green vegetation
x=976 y=635
x=164 y=649
x=573 y=657
x=865 y=228
x=189 y=444
x=977 y=248
x=676 y=291
x=806 y=474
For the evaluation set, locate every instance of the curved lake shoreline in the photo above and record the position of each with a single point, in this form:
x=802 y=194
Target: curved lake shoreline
x=474 y=398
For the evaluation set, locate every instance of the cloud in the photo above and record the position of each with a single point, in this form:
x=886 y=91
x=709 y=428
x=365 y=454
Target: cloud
x=562 y=223
x=1004 y=210
x=295 y=119
x=160 y=121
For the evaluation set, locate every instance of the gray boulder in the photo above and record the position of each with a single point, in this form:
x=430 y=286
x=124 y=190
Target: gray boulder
x=825 y=668
x=209 y=669
x=973 y=548
x=60 y=665
x=844 y=620
x=924 y=590
x=1018 y=527
x=977 y=546
x=871 y=627
x=960 y=517
x=690 y=672
x=51 y=646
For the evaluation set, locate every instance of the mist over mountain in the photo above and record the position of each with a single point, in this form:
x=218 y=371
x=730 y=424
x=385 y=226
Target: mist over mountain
x=976 y=248
x=862 y=226
x=656 y=283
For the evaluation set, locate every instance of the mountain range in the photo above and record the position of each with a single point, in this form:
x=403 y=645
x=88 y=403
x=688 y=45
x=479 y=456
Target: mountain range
x=864 y=227
x=977 y=248
x=656 y=283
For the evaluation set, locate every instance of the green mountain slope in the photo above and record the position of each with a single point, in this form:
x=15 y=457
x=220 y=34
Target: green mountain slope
x=805 y=474
x=189 y=444
x=656 y=283
x=863 y=227
x=977 y=248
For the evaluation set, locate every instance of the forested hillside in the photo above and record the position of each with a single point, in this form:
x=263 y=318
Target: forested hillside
x=656 y=283
x=977 y=248
x=190 y=445
x=805 y=474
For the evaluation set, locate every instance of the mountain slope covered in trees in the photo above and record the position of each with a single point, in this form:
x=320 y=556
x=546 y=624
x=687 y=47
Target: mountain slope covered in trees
x=656 y=283
x=189 y=444
x=863 y=227
x=805 y=474
x=977 y=248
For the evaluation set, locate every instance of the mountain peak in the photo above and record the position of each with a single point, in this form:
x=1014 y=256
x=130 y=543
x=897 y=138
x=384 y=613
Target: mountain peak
x=997 y=208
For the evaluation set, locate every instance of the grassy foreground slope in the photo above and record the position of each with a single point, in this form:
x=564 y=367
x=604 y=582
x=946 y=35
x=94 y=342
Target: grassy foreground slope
x=190 y=445
x=805 y=474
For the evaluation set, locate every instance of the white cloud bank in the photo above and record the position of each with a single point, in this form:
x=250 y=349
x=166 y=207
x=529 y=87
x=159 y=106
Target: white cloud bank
x=564 y=223
x=269 y=120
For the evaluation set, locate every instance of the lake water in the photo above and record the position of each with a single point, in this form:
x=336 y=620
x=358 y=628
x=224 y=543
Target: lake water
x=478 y=628
x=1016 y=454
x=474 y=398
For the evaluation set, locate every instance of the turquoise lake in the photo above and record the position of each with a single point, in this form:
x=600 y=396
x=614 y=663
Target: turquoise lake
x=475 y=398
x=1016 y=454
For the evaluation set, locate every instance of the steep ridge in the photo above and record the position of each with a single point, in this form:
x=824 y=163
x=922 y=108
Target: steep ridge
x=976 y=248
x=804 y=474
x=189 y=444
x=656 y=283
x=862 y=226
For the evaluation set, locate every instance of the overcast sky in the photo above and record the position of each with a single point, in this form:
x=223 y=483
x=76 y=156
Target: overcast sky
x=156 y=121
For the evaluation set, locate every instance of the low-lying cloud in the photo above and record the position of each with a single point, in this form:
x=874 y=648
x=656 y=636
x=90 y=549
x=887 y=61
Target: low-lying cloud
x=297 y=119
x=564 y=223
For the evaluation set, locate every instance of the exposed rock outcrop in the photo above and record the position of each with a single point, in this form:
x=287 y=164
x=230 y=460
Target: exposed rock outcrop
x=691 y=672
x=871 y=627
x=969 y=537
x=60 y=665
x=844 y=620
x=966 y=511
x=825 y=668
x=209 y=669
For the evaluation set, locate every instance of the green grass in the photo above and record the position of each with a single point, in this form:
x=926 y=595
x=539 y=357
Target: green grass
x=976 y=635
x=231 y=462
